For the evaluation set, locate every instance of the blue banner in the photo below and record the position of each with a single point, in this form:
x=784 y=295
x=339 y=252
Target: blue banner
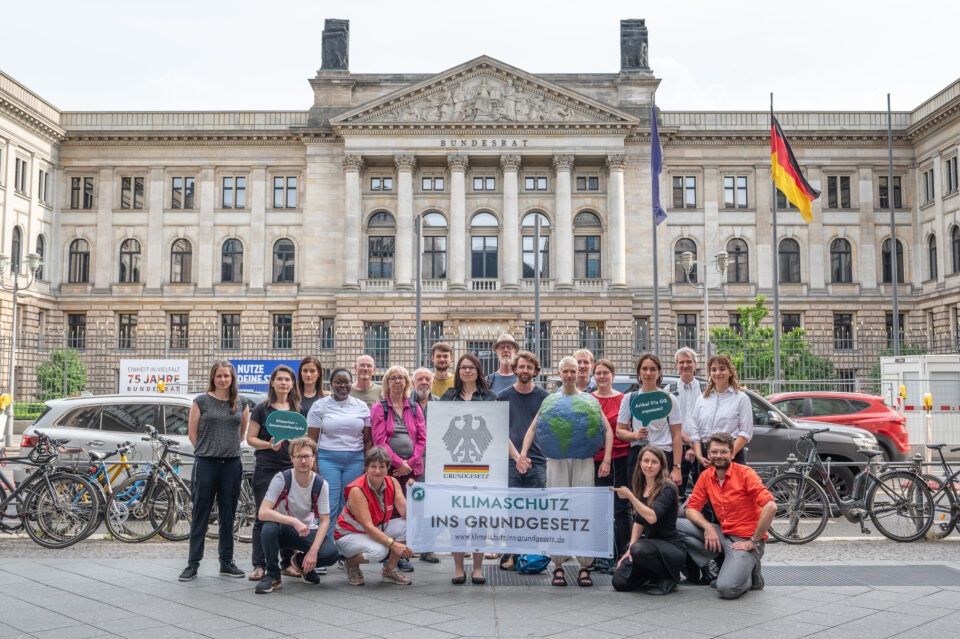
x=254 y=374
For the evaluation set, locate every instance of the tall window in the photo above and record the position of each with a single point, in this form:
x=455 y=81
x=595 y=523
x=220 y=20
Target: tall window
x=234 y=192
x=684 y=245
x=955 y=249
x=484 y=246
x=932 y=256
x=376 y=343
x=783 y=204
x=231 y=262
x=181 y=261
x=529 y=331
x=838 y=192
x=327 y=334
x=735 y=191
x=888 y=326
x=126 y=330
x=587 y=258
x=285 y=192
x=43 y=187
x=434 y=261
x=129 y=261
x=738 y=271
x=77 y=330
x=179 y=331
x=735 y=324
x=928 y=186
x=591 y=338
x=687 y=330
x=528 y=232
x=229 y=330
x=16 y=249
x=41 y=251
x=79 y=262
x=431 y=332
x=684 y=192
x=950 y=174
x=182 y=192
x=884 y=192
x=380 y=240
x=886 y=262
x=641 y=335
x=20 y=176
x=789 y=322
x=282 y=330
x=131 y=193
x=843 y=331
x=81 y=193
x=841 y=261
x=284 y=254
x=789 y=261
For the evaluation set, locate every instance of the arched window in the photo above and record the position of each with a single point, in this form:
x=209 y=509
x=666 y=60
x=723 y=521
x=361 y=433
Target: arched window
x=841 y=261
x=41 y=251
x=955 y=249
x=79 y=260
x=484 y=246
x=932 y=256
x=684 y=245
x=434 y=230
x=381 y=238
x=129 y=261
x=231 y=262
x=587 y=256
x=181 y=262
x=284 y=254
x=886 y=262
x=16 y=249
x=789 y=261
x=528 y=236
x=738 y=271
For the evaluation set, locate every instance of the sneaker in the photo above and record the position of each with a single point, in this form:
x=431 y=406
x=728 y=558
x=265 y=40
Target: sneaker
x=404 y=566
x=341 y=565
x=430 y=557
x=310 y=577
x=394 y=577
x=231 y=570
x=321 y=570
x=757 y=579
x=267 y=584
x=189 y=573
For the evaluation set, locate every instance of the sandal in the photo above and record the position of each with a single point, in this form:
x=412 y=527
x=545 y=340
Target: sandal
x=583 y=580
x=256 y=575
x=354 y=575
x=558 y=578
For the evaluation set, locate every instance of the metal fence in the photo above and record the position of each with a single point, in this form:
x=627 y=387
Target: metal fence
x=58 y=364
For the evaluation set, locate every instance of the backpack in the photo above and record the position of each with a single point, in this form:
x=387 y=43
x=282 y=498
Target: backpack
x=318 y=482
x=414 y=406
x=532 y=564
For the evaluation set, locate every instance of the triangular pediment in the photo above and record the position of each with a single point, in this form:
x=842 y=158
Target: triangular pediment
x=483 y=93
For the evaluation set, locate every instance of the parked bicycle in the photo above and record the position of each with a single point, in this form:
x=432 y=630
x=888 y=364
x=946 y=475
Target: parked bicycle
x=104 y=476
x=898 y=502
x=946 y=497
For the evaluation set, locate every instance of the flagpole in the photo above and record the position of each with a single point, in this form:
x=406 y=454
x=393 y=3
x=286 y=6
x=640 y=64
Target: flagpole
x=656 y=277
x=894 y=258
x=776 y=277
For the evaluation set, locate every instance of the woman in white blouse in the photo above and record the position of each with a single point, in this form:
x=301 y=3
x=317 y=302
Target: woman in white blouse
x=723 y=407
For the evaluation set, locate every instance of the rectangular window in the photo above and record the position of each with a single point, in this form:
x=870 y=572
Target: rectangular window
x=380 y=258
x=43 y=187
x=484 y=250
x=234 y=192
x=431 y=184
x=783 y=204
x=431 y=332
x=838 y=192
x=77 y=330
x=376 y=343
x=950 y=174
x=81 y=193
x=381 y=184
x=789 y=322
x=282 y=330
x=530 y=329
x=285 y=192
x=591 y=338
x=179 y=331
x=327 y=335
x=847 y=380
x=588 y=183
x=687 y=330
x=684 y=192
x=434 y=264
x=641 y=335
x=735 y=192
x=131 y=192
x=883 y=193
x=484 y=184
x=533 y=183
x=928 y=186
x=843 y=331
x=733 y=321
x=229 y=330
x=182 y=192
x=586 y=257
x=529 y=257
x=126 y=330
x=20 y=176
x=888 y=327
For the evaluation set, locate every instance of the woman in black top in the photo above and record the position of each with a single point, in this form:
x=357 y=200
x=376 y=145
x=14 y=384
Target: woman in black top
x=656 y=552
x=217 y=423
x=309 y=383
x=272 y=457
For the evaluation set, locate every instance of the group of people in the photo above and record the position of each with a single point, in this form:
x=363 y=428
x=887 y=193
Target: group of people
x=339 y=493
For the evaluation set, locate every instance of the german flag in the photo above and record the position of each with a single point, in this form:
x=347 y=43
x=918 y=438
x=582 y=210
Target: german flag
x=786 y=175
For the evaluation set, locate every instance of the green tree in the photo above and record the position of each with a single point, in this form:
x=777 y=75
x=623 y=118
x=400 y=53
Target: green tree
x=751 y=351
x=62 y=375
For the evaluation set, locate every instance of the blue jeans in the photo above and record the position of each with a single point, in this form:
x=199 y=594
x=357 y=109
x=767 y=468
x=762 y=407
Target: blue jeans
x=535 y=477
x=339 y=468
x=275 y=536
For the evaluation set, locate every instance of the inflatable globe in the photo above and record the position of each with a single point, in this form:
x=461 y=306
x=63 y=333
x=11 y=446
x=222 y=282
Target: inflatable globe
x=570 y=426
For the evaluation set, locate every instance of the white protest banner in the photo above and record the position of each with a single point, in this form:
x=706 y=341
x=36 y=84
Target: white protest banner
x=546 y=521
x=142 y=375
x=468 y=443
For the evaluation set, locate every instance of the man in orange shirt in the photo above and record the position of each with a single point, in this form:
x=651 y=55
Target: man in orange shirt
x=744 y=508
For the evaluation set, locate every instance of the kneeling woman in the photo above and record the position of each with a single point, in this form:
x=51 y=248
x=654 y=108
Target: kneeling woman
x=656 y=552
x=365 y=532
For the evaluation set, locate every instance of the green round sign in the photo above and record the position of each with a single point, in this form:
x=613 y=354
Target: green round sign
x=647 y=407
x=286 y=424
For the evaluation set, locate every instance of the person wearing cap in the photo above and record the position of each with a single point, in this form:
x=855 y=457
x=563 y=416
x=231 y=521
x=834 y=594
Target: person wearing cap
x=503 y=378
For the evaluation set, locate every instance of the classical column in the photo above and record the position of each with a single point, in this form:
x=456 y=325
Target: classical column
x=617 y=226
x=563 y=164
x=352 y=164
x=511 y=222
x=458 y=255
x=405 y=234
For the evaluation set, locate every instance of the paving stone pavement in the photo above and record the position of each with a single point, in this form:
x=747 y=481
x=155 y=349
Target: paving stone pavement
x=105 y=589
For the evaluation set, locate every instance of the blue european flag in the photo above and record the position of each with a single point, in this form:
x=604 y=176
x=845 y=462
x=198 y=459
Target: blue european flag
x=656 y=166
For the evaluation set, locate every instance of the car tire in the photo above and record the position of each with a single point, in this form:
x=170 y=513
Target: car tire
x=842 y=477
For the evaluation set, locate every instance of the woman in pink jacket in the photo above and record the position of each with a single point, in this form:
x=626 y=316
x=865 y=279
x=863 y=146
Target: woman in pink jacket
x=398 y=425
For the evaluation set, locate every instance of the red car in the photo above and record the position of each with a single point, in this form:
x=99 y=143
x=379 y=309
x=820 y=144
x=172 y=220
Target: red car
x=868 y=412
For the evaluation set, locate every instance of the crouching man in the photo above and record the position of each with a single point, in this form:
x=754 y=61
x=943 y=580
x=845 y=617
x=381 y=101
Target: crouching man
x=745 y=509
x=373 y=525
x=296 y=515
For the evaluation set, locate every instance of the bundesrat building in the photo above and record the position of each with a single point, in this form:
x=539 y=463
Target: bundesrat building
x=267 y=223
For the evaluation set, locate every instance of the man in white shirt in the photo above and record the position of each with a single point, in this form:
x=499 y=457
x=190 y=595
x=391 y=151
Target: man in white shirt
x=687 y=389
x=296 y=514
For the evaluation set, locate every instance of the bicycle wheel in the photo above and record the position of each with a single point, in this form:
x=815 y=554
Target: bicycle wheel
x=944 y=508
x=62 y=510
x=131 y=511
x=900 y=505
x=802 y=509
x=178 y=524
x=246 y=513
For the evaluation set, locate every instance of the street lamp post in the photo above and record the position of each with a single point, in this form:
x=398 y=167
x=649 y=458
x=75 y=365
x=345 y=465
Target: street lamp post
x=721 y=260
x=34 y=263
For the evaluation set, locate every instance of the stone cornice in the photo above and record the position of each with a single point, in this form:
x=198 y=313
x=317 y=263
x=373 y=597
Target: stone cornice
x=139 y=138
x=797 y=139
x=487 y=128
x=42 y=126
x=934 y=121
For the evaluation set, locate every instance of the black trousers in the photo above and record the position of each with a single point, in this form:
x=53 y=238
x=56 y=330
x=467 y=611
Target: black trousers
x=214 y=478
x=261 y=482
x=622 y=510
